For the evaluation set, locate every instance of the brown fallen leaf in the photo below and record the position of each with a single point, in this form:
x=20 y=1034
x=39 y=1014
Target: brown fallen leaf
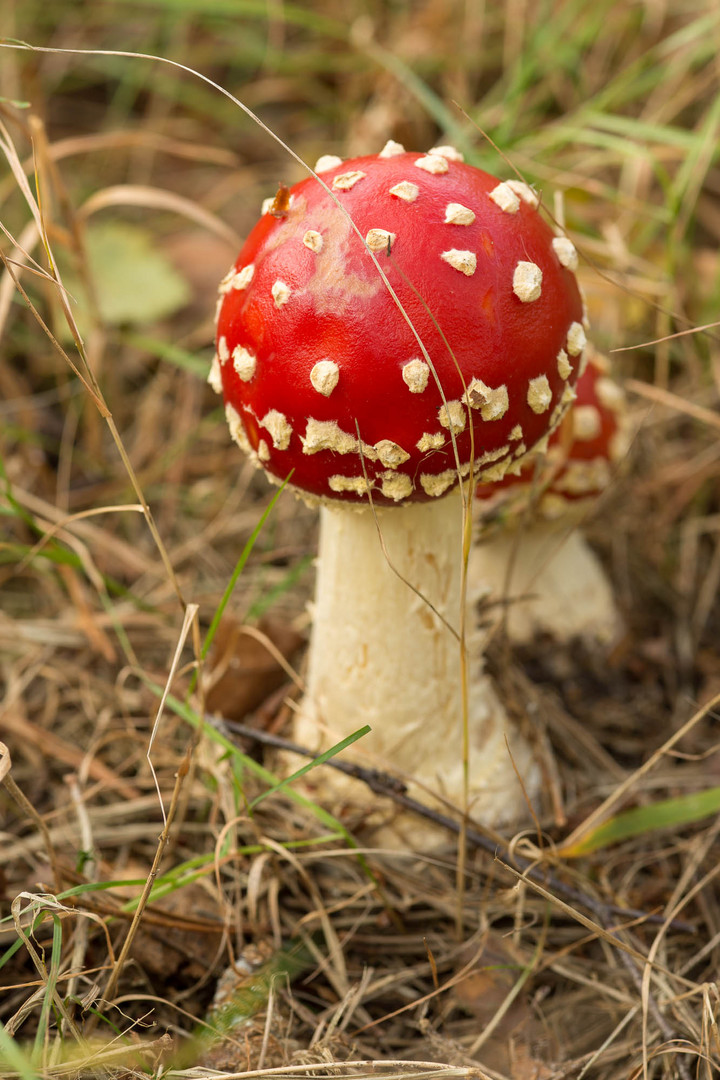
x=511 y=1045
x=241 y=671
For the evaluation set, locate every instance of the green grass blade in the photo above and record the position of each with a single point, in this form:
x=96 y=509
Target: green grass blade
x=187 y=713
x=668 y=813
x=13 y=1058
x=46 y=1010
x=319 y=760
x=239 y=566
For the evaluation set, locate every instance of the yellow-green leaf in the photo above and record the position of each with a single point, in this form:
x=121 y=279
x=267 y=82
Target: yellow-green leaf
x=668 y=813
x=134 y=282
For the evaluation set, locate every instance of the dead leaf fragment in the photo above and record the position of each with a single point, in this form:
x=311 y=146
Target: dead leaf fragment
x=242 y=672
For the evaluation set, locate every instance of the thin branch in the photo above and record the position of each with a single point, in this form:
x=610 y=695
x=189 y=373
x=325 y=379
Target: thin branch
x=383 y=784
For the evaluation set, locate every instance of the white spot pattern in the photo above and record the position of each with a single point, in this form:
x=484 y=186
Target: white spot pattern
x=280 y=431
x=432 y=163
x=324 y=376
x=313 y=240
x=449 y=152
x=492 y=402
x=457 y=214
x=496 y=472
x=566 y=252
x=586 y=422
x=576 y=340
x=436 y=484
x=244 y=363
x=237 y=429
x=214 y=377
x=464 y=261
x=345 y=181
x=391 y=149
x=564 y=366
x=527 y=282
x=280 y=292
x=430 y=441
x=415 y=375
x=524 y=191
x=539 y=394
x=356 y=484
x=406 y=191
x=242 y=279
x=610 y=394
x=327 y=435
x=327 y=162
x=380 y=239
x=396 y=486
x=453 y=416
x=504 y=197
x=390 y=454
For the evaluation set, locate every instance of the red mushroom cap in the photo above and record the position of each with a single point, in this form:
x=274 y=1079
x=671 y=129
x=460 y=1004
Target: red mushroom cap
x=322 y=373
x=582 y=454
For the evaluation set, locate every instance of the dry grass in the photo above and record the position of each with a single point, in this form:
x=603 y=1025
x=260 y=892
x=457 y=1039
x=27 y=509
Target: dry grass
x=135 y=865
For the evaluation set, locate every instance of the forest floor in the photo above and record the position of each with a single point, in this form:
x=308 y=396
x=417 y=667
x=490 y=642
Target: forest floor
x=144 y=843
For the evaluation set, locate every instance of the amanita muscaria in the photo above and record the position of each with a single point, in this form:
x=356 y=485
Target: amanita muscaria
x=535 y=552
x=391 y=387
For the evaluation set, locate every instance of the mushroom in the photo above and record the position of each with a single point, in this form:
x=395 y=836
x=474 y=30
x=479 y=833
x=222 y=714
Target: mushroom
x=388 y=335
x=554 y=581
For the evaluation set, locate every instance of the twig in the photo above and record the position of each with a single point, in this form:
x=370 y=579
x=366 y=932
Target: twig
x=381 y=783
x=27 y=807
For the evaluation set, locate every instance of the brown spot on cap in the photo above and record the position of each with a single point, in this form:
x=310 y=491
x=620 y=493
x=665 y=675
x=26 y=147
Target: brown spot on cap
x=492 y=402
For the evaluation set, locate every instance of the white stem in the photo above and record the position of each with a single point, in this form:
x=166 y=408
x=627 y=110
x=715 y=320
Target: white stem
x=380 y=656
x=552 y=581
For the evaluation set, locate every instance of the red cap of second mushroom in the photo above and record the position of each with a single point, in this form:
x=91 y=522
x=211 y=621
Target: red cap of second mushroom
x=582 y=455
x=323 y=374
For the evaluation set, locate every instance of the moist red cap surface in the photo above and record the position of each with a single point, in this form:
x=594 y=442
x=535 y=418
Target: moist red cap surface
x=324 y=374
